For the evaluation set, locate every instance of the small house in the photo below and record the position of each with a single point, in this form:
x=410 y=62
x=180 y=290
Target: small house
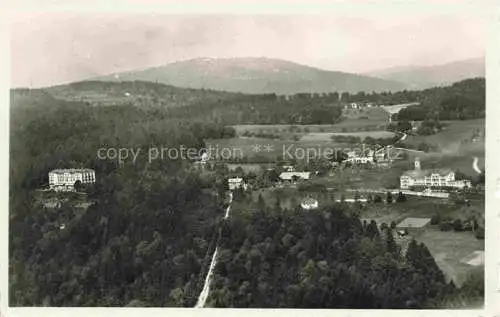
x=291 y=176
x=236 y=182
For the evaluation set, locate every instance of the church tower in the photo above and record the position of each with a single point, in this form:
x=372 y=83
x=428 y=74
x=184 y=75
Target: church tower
x=417 y=164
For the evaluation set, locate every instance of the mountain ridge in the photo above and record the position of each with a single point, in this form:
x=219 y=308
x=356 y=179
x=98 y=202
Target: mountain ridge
x=421 y=77
x=253 y=75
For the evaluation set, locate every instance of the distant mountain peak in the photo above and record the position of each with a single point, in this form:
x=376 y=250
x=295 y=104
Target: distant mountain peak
x=420 y=77
x=255 y=75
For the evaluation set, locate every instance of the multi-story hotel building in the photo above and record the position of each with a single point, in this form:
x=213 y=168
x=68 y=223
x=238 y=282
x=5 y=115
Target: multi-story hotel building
x=65 y=179
x=440 y=178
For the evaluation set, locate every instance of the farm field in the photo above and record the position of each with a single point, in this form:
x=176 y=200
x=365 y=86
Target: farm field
x=456 y=134
x=449 y=248
x=325 y=136
x=363 y=178
x=248 y=167
x=271 y=148
x=354 y=125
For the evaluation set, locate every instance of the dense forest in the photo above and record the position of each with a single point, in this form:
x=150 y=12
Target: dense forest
x=326 y=258
x=148 y=238
x=151 y=229
x=463 y=100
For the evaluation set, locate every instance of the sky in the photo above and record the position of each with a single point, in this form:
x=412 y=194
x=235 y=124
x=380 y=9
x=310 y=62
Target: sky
x=60 y=47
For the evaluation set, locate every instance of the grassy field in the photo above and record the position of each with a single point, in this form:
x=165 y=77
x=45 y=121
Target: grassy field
x=456 y=136
x=449 y=248
x=249 y=167
x=326 y=136
x=369 y=120
x=252 y=147
x=363 y=178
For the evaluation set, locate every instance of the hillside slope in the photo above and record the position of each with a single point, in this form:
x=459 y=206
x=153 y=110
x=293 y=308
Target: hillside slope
x=421 y=77
x=255 y=76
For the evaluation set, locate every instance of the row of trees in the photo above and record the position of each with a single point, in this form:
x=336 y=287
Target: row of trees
x=462 y=100
x=324 y=259
x=149 y=236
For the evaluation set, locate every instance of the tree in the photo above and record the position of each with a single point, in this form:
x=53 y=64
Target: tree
x=389 y=197
x=479 y=233
x=445 y=226
x=377 y=199
x=401 y=197
x=390 y=243
x=457 y=225
x=435 y=219
x=404 y=126
x=261 y=203
x=372 y=230
x=78 y=185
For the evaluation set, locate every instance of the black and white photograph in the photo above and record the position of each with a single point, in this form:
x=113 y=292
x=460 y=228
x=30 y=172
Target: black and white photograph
x=332 y=160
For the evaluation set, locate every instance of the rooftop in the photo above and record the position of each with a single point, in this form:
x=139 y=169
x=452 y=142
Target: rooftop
x=429 y=172
x=413 y=222
x=289 y=175
x=71 y=170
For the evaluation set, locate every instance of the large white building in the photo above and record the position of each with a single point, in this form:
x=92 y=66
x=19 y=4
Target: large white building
x=236 y=182
x=440 y=178
x=65 y=179
x=309 y=203
x=363 y=158
x=289 y=176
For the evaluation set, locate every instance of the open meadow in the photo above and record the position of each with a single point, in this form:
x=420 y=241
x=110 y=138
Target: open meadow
x=449 y=249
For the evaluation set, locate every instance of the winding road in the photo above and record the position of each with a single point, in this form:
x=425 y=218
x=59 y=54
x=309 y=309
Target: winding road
x=475 y=165
x=202 y=299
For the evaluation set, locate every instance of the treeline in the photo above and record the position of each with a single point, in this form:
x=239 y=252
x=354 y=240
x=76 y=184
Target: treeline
x=214 y=106
x=460 y=101
x=69 y=134
x=326 y=259
x=147 y=238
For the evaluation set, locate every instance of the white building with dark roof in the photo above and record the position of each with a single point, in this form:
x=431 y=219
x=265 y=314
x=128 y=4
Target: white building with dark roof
x=65 y=179
x=289 y=176
x=431 y=178
x=236 y=182
x=309 y=203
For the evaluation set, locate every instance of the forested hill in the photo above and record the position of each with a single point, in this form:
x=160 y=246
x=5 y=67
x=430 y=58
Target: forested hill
x=462 y=100
x=151 y=227
x=137 y=93
x=420 y=77
x=192 y=104
x=275 y=258
x=255 y=76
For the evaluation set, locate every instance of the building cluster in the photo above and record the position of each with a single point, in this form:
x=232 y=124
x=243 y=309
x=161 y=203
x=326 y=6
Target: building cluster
x=292 y=176
x=237 y=183
x=65 y=179
x=431 y=178
x=368 y=156
x=309 y=204
x=359 y=105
